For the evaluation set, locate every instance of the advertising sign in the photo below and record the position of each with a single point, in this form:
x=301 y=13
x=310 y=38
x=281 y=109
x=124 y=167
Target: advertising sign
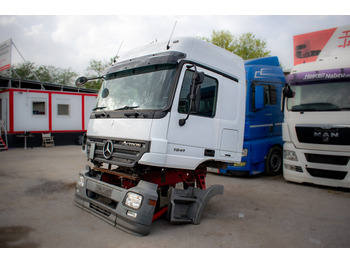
x=330 y=42
x=5 y=55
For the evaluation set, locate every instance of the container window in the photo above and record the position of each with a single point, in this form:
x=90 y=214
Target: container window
x=63 y=110
x=39 y=108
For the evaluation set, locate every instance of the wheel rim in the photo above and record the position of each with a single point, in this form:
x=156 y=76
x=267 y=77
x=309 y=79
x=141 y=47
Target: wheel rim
x=275 y=162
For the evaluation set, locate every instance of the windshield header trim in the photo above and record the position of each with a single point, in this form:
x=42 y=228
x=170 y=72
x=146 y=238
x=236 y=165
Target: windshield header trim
x=321 y=75
x=154 y=59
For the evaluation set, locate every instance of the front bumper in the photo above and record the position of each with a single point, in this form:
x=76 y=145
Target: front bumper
x=106 y=201
x=299 y=171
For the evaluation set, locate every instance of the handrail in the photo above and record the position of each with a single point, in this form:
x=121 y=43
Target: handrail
x=2 y=126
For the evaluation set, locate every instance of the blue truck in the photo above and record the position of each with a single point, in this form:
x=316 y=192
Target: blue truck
x=263 y=144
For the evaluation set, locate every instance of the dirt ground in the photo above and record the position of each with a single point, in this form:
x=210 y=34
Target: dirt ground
x=37 y=210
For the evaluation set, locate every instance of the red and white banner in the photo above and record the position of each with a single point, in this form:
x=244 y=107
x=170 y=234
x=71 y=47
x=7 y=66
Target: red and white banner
x=325 y=43
x=5 y=55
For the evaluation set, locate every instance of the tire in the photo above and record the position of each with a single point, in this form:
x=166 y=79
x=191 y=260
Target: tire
x=274 y=162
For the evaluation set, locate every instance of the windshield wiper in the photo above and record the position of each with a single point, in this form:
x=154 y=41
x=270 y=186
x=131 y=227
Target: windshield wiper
x=315 y=107
x=126 y=108
x=98 y=107
x=104 y=114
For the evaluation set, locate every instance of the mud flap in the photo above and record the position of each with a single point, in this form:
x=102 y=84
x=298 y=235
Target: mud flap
x=187 y=205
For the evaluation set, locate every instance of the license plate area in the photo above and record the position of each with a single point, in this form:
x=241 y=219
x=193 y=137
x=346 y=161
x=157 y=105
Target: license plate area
x=104 y=191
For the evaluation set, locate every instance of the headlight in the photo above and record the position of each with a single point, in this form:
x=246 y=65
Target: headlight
x=245 y=152
x=133 y=200
x=80 y=182
x=290 y=155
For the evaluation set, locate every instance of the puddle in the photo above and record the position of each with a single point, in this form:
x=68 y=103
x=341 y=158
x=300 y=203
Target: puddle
x=12 y=234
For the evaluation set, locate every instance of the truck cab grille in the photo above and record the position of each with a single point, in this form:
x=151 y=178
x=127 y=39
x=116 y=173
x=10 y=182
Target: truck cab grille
x=118 y=152
x=327 y=159
x=325 y=136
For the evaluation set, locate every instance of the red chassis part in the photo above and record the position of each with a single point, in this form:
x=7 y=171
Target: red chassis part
x=165 y=177
x=174 y=176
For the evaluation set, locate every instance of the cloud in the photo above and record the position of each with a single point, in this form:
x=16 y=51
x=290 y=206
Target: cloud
x=73 y=40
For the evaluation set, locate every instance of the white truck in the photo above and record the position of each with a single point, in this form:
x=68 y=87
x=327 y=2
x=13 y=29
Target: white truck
x=316 y=128
x=165 y=112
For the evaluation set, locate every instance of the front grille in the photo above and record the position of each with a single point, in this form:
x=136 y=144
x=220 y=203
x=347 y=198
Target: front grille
x=100 y=210
x=326 y=136
x=327 y=159
x=298 y=169
x=330 y=174
x=125 y=152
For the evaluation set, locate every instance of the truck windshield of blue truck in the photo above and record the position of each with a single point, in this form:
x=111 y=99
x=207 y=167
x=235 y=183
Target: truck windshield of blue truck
x=320 y=97
x=142 y=88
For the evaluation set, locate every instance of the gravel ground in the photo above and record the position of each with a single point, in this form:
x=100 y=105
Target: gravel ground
x=37 y=210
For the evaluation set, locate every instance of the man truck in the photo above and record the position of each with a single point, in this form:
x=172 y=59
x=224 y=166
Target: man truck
x=316 y=127
x=165 y=112
x=263 y=144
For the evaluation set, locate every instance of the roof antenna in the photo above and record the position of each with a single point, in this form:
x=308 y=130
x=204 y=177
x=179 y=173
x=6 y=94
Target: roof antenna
x=116 y=56
x=168 y=46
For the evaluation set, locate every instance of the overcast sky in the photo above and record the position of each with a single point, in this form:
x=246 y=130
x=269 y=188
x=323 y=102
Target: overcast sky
x=71 y=41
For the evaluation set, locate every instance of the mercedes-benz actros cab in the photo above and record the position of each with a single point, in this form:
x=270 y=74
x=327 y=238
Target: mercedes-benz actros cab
x=165 y=112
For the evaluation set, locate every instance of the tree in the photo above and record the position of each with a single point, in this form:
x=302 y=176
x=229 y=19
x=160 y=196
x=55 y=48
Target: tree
x=96 y=69
x=246 y=45
x=43 y=73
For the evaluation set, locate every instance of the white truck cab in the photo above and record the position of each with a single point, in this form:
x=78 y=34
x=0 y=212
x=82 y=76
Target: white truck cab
x=164 y=113
x=316 y=127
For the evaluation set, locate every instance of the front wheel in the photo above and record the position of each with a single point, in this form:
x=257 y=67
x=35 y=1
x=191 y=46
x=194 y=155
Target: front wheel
x=274 y=161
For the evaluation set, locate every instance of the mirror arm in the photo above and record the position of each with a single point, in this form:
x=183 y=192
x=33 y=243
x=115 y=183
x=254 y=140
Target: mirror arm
x=195 y=83
x=81 y=81
x=182 y=121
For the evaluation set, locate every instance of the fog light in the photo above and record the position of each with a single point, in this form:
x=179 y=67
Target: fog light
x=131 y=214
x=133 y=200
x=80 y=182
x=293 y=168
x=290 y=155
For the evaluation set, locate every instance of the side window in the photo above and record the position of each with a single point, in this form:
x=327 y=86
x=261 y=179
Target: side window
x=270 y=95
x=209 y=89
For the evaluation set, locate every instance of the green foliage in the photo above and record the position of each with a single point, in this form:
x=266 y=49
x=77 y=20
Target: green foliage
x=246 y=45
x=43 y=73
x=95 y=69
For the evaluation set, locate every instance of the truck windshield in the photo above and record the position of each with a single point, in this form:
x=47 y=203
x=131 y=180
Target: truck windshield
x=320 y=97
x=141 y=88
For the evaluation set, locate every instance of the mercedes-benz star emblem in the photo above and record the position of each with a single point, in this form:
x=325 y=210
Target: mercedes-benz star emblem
x=108 y=149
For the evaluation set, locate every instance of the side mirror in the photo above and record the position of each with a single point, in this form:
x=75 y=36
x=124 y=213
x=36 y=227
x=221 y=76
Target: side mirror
x=194 y=96
x=199 y=78
x=287 y=91
x=81 y=81
x=259 y=97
